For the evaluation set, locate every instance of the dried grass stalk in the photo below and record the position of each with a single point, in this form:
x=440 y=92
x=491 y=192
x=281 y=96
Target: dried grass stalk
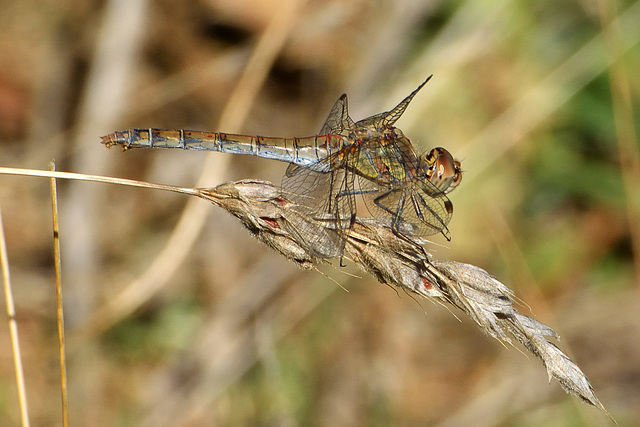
x=275 y=221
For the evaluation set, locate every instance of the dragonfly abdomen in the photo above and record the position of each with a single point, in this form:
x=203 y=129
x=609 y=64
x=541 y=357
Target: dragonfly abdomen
x=300 y=151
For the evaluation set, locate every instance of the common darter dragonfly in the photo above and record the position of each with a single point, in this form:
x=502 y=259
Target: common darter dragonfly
x=370 y=158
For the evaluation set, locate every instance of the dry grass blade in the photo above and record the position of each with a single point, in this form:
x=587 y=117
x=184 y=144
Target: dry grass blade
x=394 y=261
x=59 y=305
x=13 y=329
x=271 y=218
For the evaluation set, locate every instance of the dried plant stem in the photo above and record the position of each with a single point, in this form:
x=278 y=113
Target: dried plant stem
x=59 y=305
x=96 y=178
x=13 y=328
x=376 y=249
x=271 y=218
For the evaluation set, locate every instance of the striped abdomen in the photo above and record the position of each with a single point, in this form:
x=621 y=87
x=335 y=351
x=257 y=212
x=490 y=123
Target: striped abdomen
x=300 y=151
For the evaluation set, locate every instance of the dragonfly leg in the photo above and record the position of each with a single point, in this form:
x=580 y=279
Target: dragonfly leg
x=419 y=206
x=396 y=220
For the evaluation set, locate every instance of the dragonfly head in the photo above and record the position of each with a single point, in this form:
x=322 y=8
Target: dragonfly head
x=442 y=170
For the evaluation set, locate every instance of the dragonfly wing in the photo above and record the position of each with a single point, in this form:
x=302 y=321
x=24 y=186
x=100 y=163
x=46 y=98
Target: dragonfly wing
x=388 y=118
x=316 y=186
x=338 y=122
x=385 y=169
x=314 y=236
x=433 y=211
x=323 y=189
x=411 y=210
x=310 y=186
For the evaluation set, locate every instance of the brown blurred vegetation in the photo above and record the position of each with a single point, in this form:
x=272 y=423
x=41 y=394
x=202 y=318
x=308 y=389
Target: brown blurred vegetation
x=539 y=100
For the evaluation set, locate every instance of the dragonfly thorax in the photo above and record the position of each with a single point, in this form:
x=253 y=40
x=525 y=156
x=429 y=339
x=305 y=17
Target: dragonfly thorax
x=366 y=134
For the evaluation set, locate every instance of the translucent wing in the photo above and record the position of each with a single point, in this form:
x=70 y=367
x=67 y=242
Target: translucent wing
x=319 y=239
x=388 y=118
x=338 y=122
x=376 y=160
x=326 y=189
x=390 y=160
x=429 y=213
x=325 y=192
x=396 y=190
x=412 y=211
x=311 y=181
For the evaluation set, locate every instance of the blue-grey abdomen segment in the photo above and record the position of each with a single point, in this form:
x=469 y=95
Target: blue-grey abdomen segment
x=300 y=151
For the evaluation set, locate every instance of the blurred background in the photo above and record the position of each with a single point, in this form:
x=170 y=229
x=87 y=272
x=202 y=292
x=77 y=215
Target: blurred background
x=178 y=318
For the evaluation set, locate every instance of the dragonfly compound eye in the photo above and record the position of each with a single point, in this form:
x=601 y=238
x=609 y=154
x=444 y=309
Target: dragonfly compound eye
x=444 y=172
x=457 y=177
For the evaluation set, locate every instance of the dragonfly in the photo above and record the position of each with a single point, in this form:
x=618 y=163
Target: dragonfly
x=327 y=172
